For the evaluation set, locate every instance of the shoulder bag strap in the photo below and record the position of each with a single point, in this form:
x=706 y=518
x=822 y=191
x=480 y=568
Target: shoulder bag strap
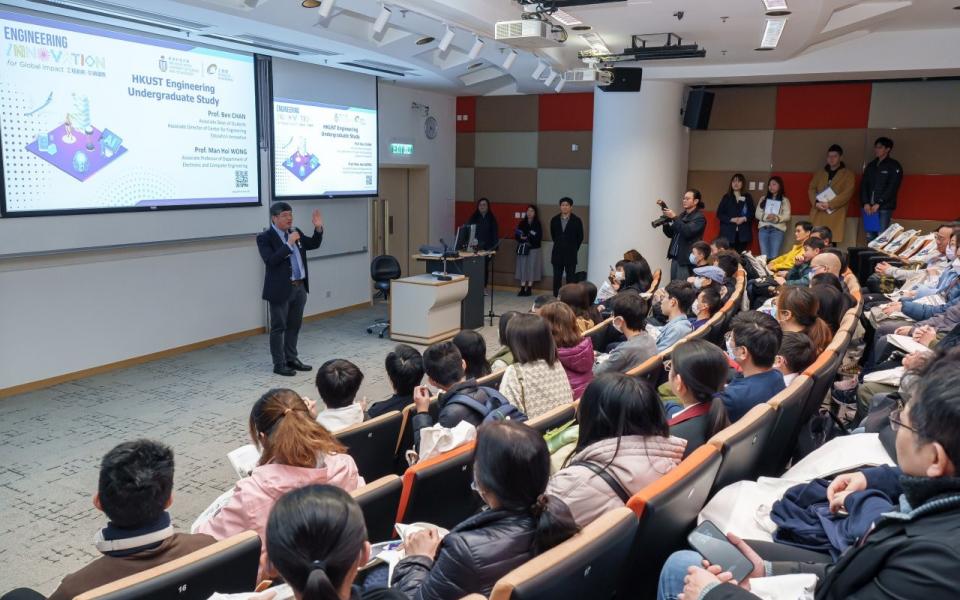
x=523 y=393
x=607 y=477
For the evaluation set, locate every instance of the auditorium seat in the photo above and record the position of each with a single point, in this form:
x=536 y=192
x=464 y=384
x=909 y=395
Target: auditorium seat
x=372 y=444
x=823 y=371
x=554 y=418
x=379 y=501
x=405 y=437
x=437 y=490
x=667 y=509
x=788 y=405
x=742 y=444
x=588 y=565
x=228 y=566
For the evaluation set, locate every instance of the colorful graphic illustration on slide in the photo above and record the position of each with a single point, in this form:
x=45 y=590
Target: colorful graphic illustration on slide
x=302 y=164
x=77 y=153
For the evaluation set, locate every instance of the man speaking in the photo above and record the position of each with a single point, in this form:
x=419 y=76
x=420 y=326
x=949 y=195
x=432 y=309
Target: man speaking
x=283 y=249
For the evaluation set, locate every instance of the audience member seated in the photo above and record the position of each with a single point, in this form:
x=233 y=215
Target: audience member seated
x=295 y=451
x=677 y=301
x=629 y=318
x=624 y=445
x=729 y=263
x=134 y=491
x=841 y=267
x=502 y=357
x=540 y=300
x=537 y=381
x=317 y=541
x=947 y=287
x=752 y=342
x=910 y=552
x=696 y=374
x=611 y=285
x=831 y=305
x=575 y=296
x=796 y=354
x=338 y=382
x=404 y=367
x=574 y=351
x=900 y=273
x=473 y=349
x=706 y=305
x=511 y=468
x=826 y=262
x=699 y=255
x=446 y=370
x=637 y=277
x=800 y=273
x=592 y=309
x=788 y=259
x=824 y=233
x=721 y=243
x=798 y=310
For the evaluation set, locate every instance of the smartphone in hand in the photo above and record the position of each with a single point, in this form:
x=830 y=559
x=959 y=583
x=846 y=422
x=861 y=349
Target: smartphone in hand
x=708 y=540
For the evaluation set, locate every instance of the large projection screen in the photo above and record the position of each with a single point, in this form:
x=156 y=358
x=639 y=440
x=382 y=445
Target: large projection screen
x=324 y=132
x=102 y=120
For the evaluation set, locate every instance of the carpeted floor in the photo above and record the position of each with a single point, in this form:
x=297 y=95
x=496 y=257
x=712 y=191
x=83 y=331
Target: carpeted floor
x=198 y=403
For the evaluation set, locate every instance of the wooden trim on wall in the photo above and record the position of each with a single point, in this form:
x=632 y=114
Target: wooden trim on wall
x=139 y=360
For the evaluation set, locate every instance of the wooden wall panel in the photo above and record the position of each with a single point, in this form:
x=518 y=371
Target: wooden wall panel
x=731 y=151
x=465 y=185
x=806 y=149
x=507 y=113
x=507 y=149
x=553 y=184
x=506 y=185
x=745 y=107
x=466 y=149
x=556 y=149
x=907 y=104
x=930 y=151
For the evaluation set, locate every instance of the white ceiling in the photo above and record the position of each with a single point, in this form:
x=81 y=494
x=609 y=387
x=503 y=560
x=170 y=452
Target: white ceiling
x=823 y=39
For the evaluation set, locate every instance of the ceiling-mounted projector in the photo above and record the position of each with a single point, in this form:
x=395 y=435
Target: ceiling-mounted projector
x=528 y=33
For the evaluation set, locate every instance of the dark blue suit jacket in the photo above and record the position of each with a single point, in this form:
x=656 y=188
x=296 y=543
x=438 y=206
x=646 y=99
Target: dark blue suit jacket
x=276 y=256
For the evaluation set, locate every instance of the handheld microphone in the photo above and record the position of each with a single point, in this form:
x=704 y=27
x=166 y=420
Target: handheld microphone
x=292 y=230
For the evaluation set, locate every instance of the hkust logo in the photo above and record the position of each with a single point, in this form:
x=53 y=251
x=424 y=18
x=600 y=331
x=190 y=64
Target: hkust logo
x=162 y=64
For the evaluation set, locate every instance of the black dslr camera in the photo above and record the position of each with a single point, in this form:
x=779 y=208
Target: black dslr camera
x=662 y=220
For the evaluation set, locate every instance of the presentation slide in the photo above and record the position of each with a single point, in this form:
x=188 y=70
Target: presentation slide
x=323 y=150
x=94 y=120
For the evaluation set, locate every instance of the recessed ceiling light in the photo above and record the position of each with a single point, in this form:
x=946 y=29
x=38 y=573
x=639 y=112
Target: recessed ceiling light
x=772 y=32
x=310 y=3
x=565 y=18
x=425 y=40
x=581 y=28
x=595 y=42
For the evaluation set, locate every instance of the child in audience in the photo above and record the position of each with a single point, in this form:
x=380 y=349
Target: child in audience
x=797 y=311
x=752 y=342
x=800 y=273
x=623 y=431
x=574 y=351
x=629 y=318
x=796 y=353
x=295 y=451
x=575 y=296
x=317 y=541
x=511 y=468
x=134 y=491
x=537 y=381
x=338 y=382
x=706 y=305
x=696 y=373
x=503 y=357
x=404 y=367
x=540 y=300
x=473 y=349
x=675 y=304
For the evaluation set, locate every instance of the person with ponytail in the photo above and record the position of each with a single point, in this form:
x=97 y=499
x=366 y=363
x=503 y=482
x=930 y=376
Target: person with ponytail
x=624 y=445
x=295 y=451
x=511 y=468
x=697 y=373
x=317 y=541
x=798 y=311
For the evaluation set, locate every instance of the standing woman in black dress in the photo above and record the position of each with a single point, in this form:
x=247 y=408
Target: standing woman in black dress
x=529 y=236
x=487 y=233
x=735 y=214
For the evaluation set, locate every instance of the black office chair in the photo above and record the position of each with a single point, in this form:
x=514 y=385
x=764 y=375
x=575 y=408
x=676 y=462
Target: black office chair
x=383 y=270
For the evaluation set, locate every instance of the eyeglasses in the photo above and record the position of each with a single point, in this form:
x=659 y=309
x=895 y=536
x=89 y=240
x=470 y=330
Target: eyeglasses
x=896 y=423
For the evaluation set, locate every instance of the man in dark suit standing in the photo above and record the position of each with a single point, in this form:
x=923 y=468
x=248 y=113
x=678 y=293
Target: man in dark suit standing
x=566 y=229
x=283 y=249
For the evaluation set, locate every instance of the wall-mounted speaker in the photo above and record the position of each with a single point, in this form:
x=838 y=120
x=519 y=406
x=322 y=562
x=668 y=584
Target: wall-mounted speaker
x=697 y=115
x=624 y=80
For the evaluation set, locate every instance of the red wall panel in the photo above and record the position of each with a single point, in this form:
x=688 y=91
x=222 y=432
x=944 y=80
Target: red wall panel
x=566 y=112
x=466 y=107
x=932 y=197
x=823 y=106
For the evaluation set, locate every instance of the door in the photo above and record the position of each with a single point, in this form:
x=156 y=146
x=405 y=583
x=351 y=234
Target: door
x=393 y=208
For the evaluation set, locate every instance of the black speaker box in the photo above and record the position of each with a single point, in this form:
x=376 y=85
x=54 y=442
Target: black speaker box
x=697 y=115
x=624 y=80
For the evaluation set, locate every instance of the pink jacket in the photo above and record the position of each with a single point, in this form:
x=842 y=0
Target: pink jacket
x=254 y=496
x=639 y=462
x=577 y=361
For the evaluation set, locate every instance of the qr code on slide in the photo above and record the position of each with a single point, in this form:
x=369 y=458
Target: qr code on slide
x=240 y=179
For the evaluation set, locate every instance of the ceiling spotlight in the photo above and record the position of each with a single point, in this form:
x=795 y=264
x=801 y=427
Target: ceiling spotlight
x=560 y=85
x=508 y=61
x=446 y=40
x=305 y=3
x=541 y=67
x=772 y=32
x=325 y=8
x=550 y=77
x=382 y=19
x=475 y=50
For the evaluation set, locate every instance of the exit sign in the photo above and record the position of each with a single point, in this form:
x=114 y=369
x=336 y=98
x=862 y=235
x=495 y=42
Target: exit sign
x=401 y=149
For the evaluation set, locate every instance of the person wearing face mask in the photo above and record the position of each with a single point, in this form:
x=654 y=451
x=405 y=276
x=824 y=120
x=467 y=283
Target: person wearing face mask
x=753 y=342
x=684 y=230
x=706 y=305
x=611 y=285
x=677 y=299
x=629 y=318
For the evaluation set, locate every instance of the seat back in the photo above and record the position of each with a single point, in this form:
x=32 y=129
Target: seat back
x=788 y=405
x=492 y=380
x=655 y=282
x=823 y=371
x=228 y=566
x=379 y=501
x=372 y=444
x=598 y=327
x=588 y=565
x=554 y=418
x=667 y=509
x=742 y=445
x=437 y=490
x=384 y=268
x=405 y=437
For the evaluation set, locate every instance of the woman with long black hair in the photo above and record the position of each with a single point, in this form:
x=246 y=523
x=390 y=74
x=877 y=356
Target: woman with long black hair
x=697 y=373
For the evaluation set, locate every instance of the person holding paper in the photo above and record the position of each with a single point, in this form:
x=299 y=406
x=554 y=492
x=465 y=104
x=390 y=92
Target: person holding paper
x=830 y=191
x=773 y=213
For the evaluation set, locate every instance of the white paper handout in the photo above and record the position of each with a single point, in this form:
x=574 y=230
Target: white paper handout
x=907 y=343
x=797 y=586
x=215 y=507
x=826 y=195
x=244 y=459
x=772 y=207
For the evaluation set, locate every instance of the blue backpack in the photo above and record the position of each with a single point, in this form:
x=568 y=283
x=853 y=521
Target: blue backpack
x=490 y=404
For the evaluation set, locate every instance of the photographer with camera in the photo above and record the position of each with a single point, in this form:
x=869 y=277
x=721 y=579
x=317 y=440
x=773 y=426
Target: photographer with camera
x=685 y=230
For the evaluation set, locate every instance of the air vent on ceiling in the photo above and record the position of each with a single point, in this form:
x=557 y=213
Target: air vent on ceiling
x=124 y=13
x=271 y=45
x=380 y=67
